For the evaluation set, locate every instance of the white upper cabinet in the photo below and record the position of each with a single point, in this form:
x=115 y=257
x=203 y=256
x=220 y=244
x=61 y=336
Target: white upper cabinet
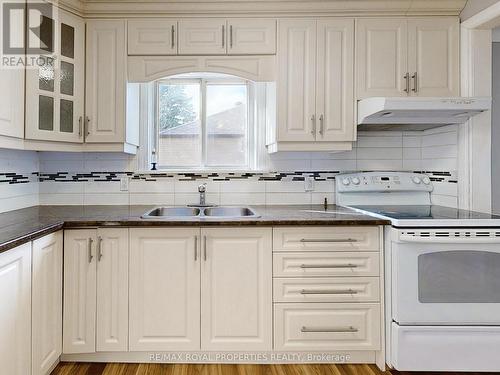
x=202 y=36
x=251 y=36
x=334 y=80
x=106 y=89
x=15 y=310
x=381 y=57
x=12 y=93
x=433 y=56
x=12 y=103
x=47 y=273
x=236 y=289
x=296 y=86
x=55 y=91
x=164 y=289
x=315 y=100
x=152 y=37
x=407 y=56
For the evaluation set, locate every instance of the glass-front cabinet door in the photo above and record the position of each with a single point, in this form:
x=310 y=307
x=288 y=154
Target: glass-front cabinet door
x=55 y=90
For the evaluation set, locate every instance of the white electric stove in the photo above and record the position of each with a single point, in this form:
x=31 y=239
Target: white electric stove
x=442 y=274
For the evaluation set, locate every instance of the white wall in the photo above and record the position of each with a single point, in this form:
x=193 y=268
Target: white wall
x=495 y=131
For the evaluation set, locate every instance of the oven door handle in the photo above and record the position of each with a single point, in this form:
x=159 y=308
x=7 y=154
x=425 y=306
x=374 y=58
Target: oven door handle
x=448 y=240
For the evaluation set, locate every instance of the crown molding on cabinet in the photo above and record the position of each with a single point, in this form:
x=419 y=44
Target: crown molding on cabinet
x=155 y=8
x=73 y=6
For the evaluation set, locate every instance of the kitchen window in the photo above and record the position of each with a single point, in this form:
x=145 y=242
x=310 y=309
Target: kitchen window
x=204 y=122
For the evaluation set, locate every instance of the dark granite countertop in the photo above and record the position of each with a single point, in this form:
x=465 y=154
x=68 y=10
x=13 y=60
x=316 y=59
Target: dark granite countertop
x=20 y=226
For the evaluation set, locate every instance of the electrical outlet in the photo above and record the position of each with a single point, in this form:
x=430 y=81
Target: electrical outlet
x=124 y=183
x=309 y=184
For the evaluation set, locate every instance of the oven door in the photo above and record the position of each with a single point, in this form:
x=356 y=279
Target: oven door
x=445 y=279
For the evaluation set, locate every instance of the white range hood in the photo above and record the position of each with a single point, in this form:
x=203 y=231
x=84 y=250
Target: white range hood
x=417 y=113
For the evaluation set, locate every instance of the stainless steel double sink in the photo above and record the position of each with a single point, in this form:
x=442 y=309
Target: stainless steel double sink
x=200 y=212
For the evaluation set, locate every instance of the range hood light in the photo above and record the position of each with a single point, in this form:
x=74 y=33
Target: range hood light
x=386 y=114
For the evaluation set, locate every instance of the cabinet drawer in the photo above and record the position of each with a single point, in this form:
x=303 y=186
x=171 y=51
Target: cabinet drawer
x=338 y=289
x=325 y=264
x=326 y=326
x=326 y=239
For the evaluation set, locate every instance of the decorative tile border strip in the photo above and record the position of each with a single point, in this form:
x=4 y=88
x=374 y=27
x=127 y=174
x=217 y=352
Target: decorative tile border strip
x=16 y=178
x=257 y=176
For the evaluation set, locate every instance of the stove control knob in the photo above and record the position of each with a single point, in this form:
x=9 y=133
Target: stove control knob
x=426 y=180
x=346 y=181
x=416 y=180
x=355 y=181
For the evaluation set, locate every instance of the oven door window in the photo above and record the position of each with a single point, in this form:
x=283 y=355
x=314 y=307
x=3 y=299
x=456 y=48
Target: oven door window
x=459 y=277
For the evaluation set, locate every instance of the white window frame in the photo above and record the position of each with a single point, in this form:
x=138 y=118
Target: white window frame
x=252 y=125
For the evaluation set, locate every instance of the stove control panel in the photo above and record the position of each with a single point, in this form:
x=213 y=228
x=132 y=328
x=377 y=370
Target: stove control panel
x=383 y=182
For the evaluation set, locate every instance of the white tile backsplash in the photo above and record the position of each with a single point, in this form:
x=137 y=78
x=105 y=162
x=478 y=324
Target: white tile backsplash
x=432 y=150
x=14 y=196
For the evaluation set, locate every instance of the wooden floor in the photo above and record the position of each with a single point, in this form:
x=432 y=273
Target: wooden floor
x=182 y=369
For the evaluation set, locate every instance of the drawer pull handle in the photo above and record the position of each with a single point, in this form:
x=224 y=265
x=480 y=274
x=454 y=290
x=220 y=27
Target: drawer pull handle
x=335 y=240
x=347 y=291
x=349 y=265
x=339 y=329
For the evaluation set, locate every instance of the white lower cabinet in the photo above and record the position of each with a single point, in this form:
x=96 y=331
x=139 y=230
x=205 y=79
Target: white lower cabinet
x=236 y=289
x=95 y=314
x=47 y=274
x=328 y=290
x=234 y=267
x=164 y=289
x=327 y=326
x=15 y=310
x=112 y=290
x=181 y=289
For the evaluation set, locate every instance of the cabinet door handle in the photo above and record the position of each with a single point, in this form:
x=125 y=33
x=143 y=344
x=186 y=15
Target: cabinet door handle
x=325 y=291
x=415 y=82
x=205 y=248
x=348 y=265
x=173 y=36
x=80 y=124
x=407 y=82
x=321 y=122
x=90 y=256
x=334 y=240
x=230 y=36
x=87 y=127
x=195 y=248
x=99 y=248
x=349 y=329
x=223 y=35
x=313 y=121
